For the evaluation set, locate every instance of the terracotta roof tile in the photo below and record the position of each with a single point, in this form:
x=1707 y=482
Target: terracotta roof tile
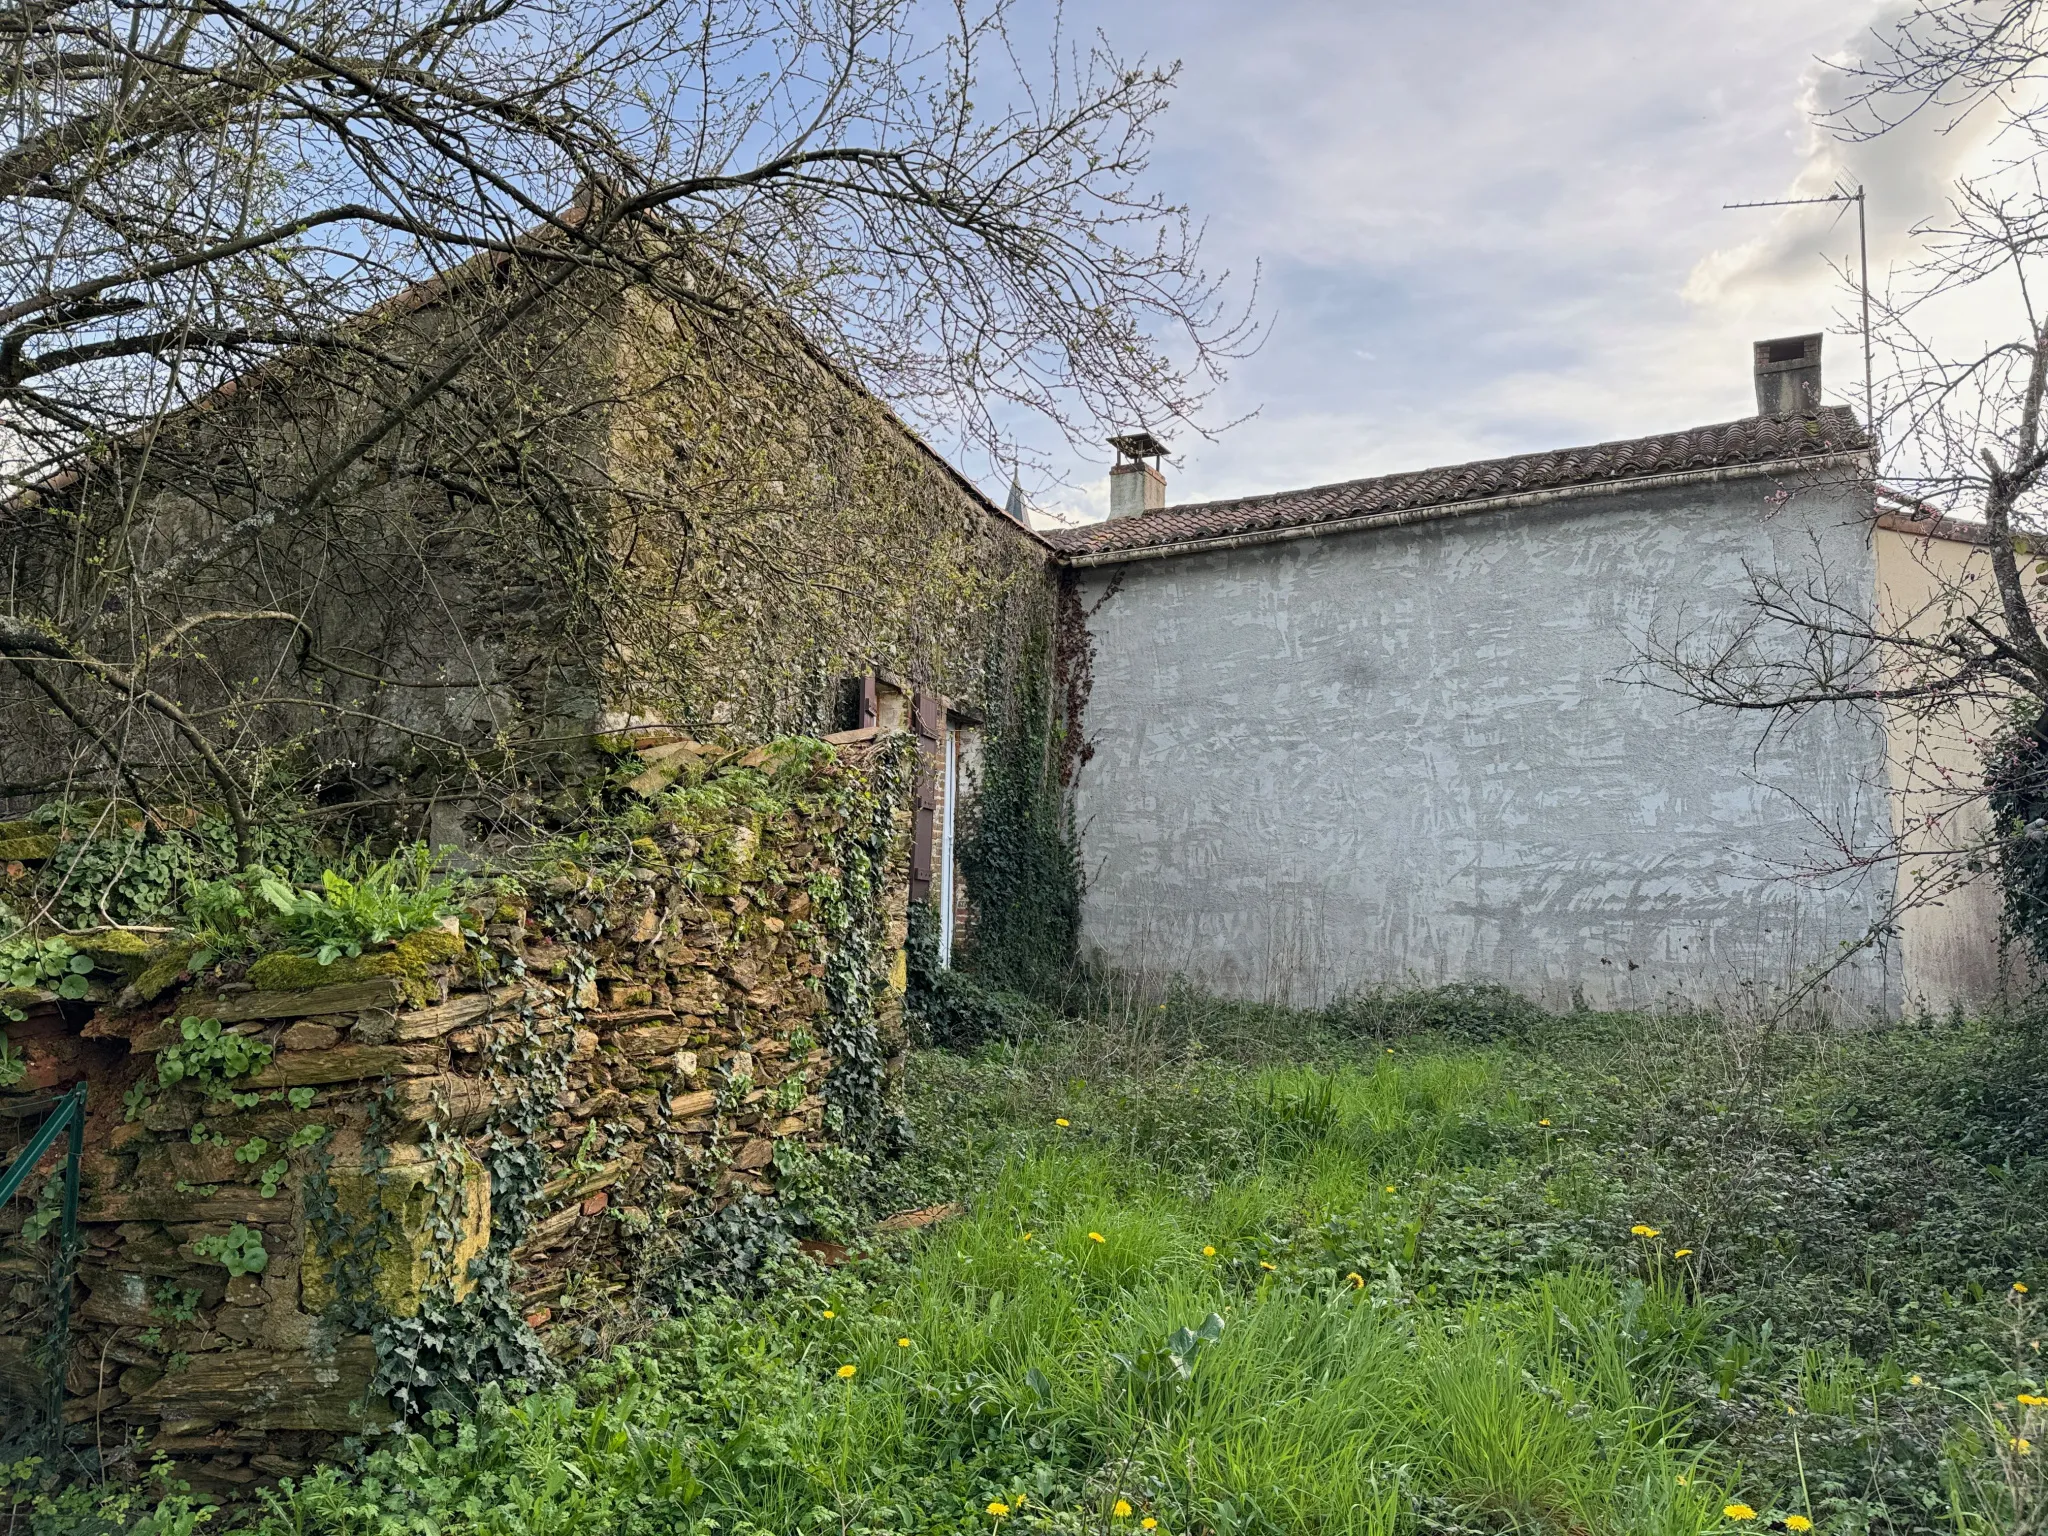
x=1753 y=440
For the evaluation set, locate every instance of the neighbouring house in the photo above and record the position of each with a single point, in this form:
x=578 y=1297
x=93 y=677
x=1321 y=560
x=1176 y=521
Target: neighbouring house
x=1401 y=730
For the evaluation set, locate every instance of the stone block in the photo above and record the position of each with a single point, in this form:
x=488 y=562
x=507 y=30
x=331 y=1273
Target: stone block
x=308 y=1036
x=347 y=997
x=466 y=1008
x=652 y=1040
x=347 y=1064
x=701 y=995
x=265 y=1390
x=120 y=1297
x=406 y=1206
x=457 y=1103
x=168 y=1204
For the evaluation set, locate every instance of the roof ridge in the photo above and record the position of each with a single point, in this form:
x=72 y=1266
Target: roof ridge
x=1830 y=429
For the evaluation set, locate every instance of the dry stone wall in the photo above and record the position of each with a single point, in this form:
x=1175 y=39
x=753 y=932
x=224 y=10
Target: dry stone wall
x=313 y=1193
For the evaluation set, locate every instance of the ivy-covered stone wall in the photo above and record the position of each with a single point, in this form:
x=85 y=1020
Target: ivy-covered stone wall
x=319 y=1197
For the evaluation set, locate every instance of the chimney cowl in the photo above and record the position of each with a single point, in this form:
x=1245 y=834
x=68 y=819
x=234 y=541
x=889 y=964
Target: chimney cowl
x=1136 y=487
x=1788 y=376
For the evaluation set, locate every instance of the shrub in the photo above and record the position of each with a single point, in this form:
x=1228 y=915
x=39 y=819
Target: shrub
x=1463 y=1010
x=391 y=899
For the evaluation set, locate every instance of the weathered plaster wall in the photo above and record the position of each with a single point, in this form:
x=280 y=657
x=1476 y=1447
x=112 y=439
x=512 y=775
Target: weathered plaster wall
x=1413 y=755
x=1948 y=936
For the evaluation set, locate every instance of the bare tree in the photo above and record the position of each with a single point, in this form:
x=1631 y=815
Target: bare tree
x=1962 y=657
x=224 y=361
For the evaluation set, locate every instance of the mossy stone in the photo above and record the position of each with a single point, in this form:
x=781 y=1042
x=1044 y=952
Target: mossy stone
x=407 y=961
x=163 y=966
x=29 y=848
x=115 y=950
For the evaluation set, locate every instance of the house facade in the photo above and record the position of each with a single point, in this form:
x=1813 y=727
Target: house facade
x=1406 y=730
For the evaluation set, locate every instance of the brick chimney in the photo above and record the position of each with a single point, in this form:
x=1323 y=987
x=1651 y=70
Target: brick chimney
x=1136 y=487
x=1788 y=376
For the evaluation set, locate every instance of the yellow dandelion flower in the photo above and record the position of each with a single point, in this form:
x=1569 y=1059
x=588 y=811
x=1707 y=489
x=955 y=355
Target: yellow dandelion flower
x=1739 y=1512
x=1063 y=1124
x=1025 y=1238
x=903 y=1343
x=1543 y=1122
x=1148 y=1523
x=1121 y=1510
x=1264 y=1265
x=2023 y=1446
x=1357 y=1280
x=2020 y=1286
x=1390 y=1189
x=2033 y=1400
x=846 y=1372
x=1208 y=1250
x=1097 y=1237
x=828 y=1312
x=998 y=1508
x=1639 y=1230
x=1798 y=1523
x=1683 y=1253
x=1683 y=1480
x=1915 y=1380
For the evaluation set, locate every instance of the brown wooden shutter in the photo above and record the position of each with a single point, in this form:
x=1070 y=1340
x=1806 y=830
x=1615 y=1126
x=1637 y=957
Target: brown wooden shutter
x=925 y=715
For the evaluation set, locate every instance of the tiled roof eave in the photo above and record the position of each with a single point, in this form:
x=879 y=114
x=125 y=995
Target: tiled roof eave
x=1858 y=456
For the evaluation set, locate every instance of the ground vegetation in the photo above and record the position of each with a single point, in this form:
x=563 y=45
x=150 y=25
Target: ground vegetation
x=1420 y=1263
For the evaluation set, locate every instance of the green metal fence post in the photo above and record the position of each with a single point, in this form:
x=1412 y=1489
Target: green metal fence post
x=67 y=1120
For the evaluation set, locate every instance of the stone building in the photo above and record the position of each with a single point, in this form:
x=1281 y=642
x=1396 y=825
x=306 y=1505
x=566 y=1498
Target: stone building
x=641 y=541
x=649 y=503
x=1401 y=731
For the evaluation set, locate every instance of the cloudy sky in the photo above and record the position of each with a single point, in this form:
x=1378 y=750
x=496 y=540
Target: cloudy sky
x=1486 y=227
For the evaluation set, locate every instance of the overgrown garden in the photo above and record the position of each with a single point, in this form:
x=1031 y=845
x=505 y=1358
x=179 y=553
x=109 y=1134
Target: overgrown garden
x=1438 y=1263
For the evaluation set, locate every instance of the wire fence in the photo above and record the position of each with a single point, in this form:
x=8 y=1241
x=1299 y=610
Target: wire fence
x=40 y=1142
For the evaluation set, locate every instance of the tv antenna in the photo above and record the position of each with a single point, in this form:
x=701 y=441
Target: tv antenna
x=1842 y=194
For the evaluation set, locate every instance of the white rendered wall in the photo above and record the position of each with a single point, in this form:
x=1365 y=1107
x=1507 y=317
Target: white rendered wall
x=1412 y=756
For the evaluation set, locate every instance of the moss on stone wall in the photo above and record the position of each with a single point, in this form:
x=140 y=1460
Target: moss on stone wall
x=408 y=961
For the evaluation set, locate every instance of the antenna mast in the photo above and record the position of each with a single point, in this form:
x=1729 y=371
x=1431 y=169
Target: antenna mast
x=1843 y=195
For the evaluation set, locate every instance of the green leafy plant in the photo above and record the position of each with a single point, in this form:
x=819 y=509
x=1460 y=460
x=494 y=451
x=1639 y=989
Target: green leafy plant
x=28 y=963
x=1168 y=1364
x=209 y=1056
x=48 y=1212
x=238 y=1250
x=388 y=901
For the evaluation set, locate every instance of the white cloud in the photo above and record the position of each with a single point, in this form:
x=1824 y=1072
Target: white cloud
x=1487 y=229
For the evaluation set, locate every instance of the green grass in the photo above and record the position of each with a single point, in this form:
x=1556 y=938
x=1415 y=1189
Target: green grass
x=1435 y=1316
